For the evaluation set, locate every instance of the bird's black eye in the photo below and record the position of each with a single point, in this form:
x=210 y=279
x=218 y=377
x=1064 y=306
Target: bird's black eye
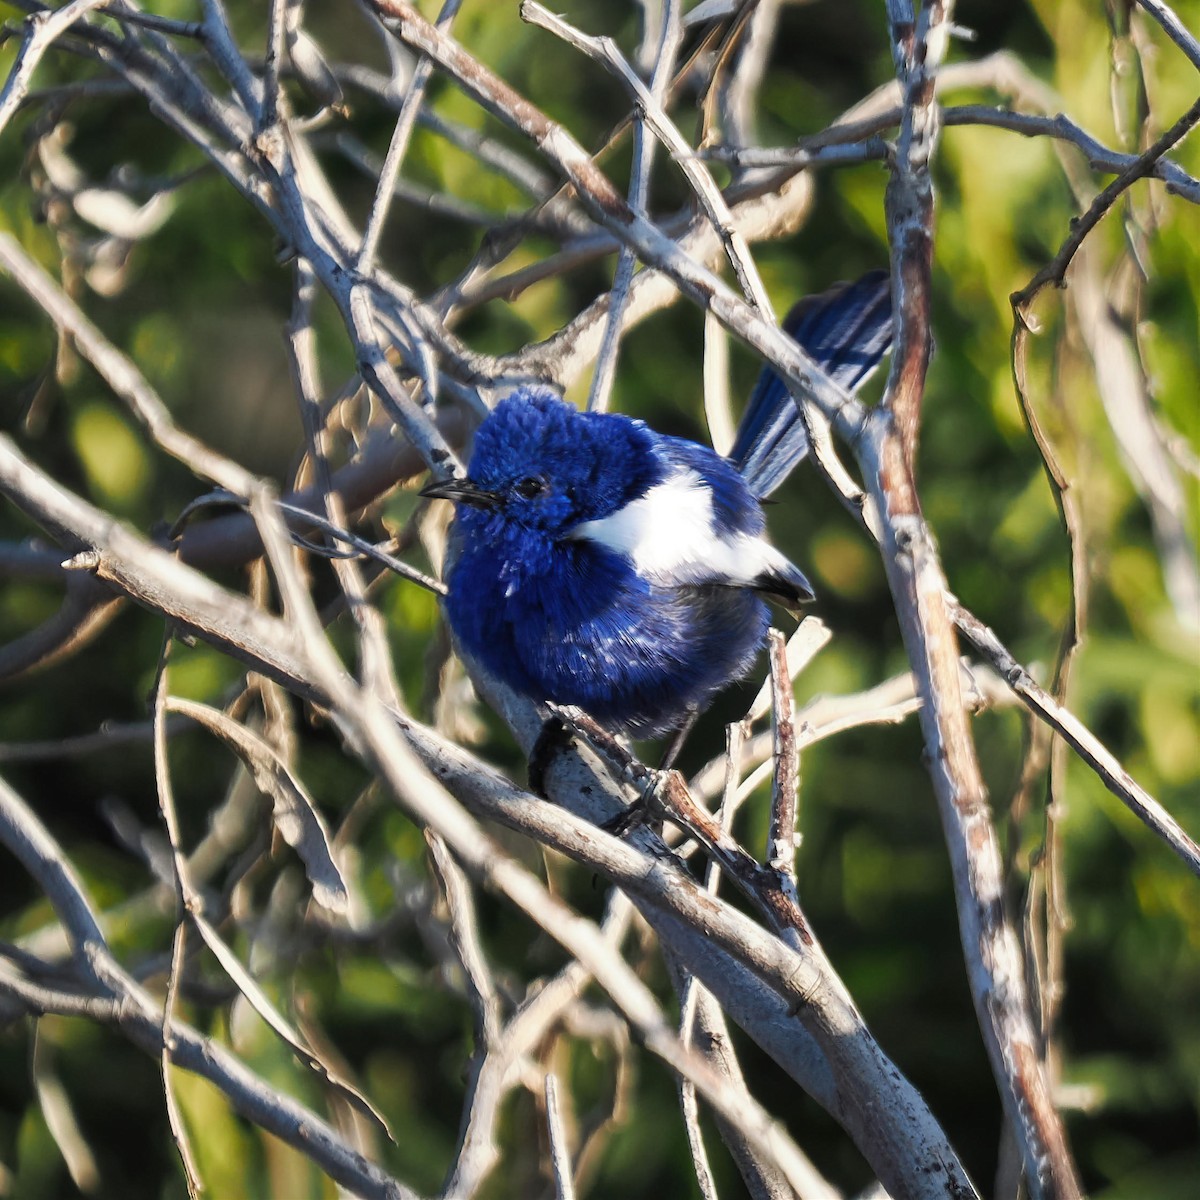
x=531 y=487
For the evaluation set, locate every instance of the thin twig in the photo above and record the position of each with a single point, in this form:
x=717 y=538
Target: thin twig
x=696 y=173
x=398 y=146
x=183 y=894
x=1174 y=29
x=1114 y=777
x=42 y=29
x=781 y=836
x=560 y=1160
x=1055 y=270
x=670 y=36
x=270 y=82
x=829 y=148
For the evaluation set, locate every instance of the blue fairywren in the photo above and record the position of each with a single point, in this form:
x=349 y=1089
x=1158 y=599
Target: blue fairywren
x=604 y=565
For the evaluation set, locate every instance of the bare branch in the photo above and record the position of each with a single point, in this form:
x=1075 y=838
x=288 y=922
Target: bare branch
x=1174 y=29
x=829 y=148
x=781 y=838
x=697 y=174
x=296 y=816
x=564 y=1186
x=390 y=172
x=183 y=892
x=1080 y=738
x=670 y=35
x=1055 y=270
x=42 y=29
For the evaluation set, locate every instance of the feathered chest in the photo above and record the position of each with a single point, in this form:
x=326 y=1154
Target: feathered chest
x=521 y=578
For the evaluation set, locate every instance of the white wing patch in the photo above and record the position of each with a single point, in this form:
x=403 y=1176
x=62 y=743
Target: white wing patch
x=668 y=535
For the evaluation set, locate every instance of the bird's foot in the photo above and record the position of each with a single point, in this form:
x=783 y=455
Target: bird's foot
x=628 y=819
x=648 y=808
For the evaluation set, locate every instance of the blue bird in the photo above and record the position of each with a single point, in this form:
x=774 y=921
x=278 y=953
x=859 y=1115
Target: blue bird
x=604 y=565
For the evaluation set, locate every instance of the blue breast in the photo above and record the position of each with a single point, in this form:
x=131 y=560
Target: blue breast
x=577 y=625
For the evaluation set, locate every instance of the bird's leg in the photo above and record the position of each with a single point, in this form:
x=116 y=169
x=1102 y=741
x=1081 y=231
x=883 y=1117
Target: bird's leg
x=641 y=810
x=632 y=817
x=678 y=738
x=555 y=735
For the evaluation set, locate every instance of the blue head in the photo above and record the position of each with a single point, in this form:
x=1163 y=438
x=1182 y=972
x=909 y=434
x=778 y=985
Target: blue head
x=541 y=467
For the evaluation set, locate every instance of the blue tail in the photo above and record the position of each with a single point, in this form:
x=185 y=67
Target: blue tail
x=846 y=331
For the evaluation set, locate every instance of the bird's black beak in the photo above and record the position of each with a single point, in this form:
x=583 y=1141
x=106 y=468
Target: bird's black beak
x=461 y=491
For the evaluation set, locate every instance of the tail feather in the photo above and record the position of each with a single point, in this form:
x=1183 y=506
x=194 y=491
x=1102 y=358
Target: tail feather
x=846 y=330
x=787 y=585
